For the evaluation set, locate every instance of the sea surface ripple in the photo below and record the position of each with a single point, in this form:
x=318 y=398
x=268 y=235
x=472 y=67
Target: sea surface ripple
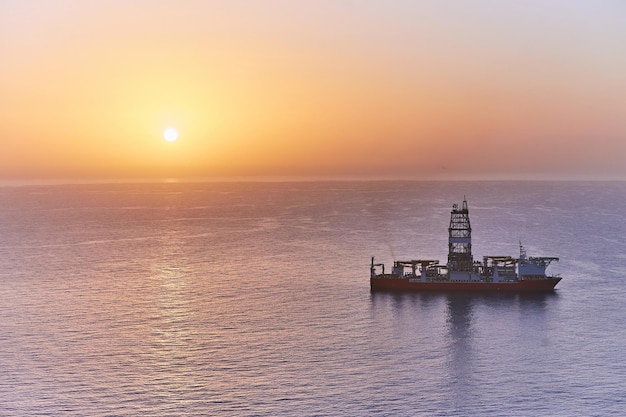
x=252 y=299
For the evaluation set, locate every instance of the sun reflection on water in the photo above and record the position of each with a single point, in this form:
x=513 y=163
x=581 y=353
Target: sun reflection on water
x=174 y=333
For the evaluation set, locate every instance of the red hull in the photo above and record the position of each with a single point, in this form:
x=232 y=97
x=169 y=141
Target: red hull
x=403 y=284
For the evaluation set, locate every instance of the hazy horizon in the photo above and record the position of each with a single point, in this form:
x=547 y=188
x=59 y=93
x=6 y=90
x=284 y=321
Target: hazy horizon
x=392 y=90
x=294 y=179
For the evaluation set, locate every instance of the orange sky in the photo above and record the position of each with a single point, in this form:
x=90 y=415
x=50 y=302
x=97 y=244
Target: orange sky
x=408 y=89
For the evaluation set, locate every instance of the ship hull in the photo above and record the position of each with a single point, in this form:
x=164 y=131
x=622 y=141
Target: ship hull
x=404 y=284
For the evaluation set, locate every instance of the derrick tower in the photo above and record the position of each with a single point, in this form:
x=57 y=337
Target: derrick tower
x=460 y=239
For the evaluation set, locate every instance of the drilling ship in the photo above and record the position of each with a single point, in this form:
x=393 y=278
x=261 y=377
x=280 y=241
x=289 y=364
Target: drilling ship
x=462 y=273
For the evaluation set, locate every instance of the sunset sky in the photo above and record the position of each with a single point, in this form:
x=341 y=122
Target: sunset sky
x=372 y=89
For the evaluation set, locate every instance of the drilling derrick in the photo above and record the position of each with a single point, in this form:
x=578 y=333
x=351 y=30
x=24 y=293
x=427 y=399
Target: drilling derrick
x=460 y=240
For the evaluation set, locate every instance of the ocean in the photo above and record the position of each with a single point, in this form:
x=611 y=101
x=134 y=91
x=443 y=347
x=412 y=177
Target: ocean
x=253 y=299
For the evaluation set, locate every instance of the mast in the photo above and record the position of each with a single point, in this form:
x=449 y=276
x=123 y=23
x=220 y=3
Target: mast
x=460 y=239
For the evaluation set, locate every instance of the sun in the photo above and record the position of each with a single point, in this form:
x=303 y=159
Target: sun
x=170 y=134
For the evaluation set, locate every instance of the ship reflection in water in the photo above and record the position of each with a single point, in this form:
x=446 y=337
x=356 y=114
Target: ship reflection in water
x=461 y=356
x=457 y=342
x=475 y=342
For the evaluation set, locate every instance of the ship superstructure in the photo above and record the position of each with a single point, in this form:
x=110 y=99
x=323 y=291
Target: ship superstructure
x=500 y=273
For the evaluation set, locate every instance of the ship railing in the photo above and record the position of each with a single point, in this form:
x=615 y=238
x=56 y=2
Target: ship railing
x=534 y=277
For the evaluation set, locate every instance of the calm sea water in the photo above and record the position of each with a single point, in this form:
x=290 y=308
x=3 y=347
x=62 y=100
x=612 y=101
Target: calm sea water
x=252 y=299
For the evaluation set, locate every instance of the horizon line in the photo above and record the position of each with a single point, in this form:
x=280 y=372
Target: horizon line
x=17 y=182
